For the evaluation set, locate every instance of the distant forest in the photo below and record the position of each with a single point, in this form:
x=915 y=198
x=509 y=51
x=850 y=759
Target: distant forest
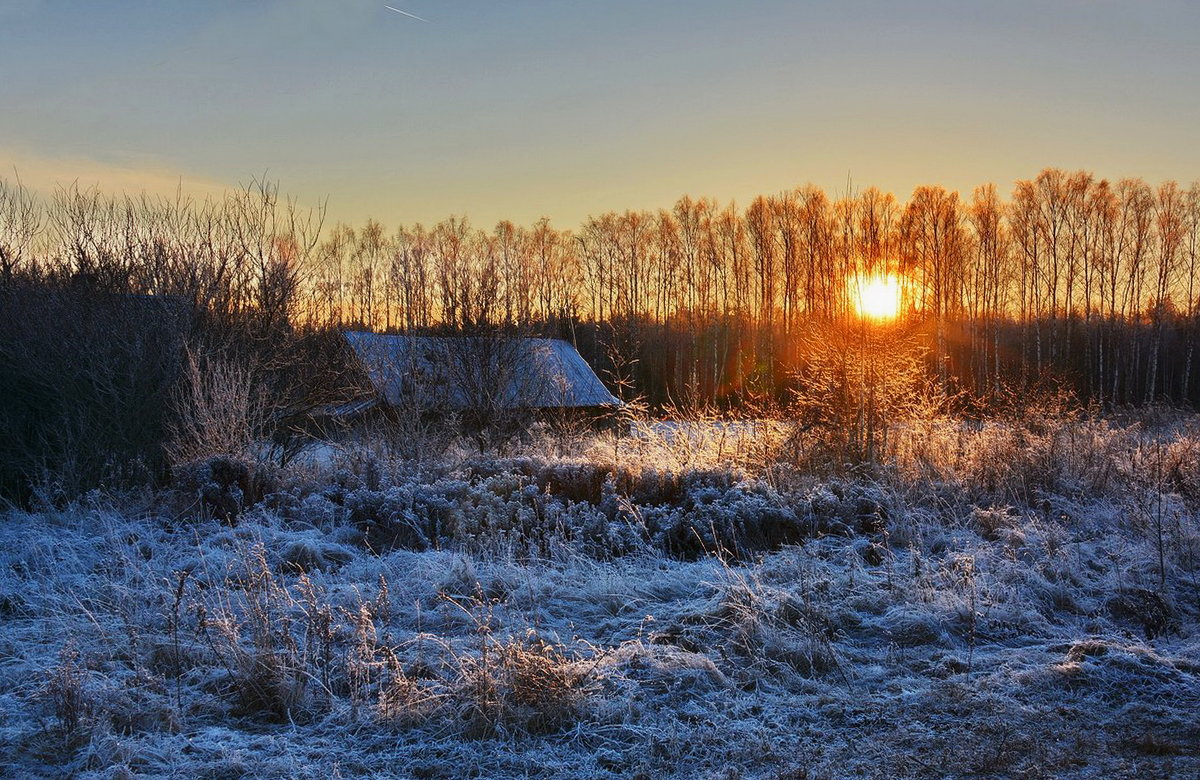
x=1072 y=279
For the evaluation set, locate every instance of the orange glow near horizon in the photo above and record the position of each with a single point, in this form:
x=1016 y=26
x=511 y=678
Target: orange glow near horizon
x=875 y=297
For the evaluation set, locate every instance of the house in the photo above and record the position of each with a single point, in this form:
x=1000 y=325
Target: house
x=480 y=377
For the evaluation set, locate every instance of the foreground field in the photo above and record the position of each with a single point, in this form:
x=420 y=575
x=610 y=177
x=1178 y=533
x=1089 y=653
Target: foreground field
x=1001 y=600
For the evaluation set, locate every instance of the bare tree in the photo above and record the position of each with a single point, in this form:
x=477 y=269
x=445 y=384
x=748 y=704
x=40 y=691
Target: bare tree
x=21 y=222
x=933 y=251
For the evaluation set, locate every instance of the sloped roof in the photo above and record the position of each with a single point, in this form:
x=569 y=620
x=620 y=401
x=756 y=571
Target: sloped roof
x=468 y=372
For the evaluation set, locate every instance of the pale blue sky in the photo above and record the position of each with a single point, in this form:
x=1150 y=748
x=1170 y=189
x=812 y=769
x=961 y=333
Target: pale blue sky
x=519 y=109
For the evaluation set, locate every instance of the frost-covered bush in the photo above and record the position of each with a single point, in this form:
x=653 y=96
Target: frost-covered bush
x=535 y=510
x=221 y=486
x=585 y=480
x=735 y=521
x=847 y=507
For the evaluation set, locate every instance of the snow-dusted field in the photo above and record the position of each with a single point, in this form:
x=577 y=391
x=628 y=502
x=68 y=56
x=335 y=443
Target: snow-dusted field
x=1016 y=600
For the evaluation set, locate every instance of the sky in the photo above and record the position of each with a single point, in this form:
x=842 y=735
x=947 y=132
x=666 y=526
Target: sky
x=515 y=109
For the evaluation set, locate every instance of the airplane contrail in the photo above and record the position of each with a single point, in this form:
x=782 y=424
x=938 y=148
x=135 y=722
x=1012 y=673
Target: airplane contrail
x=406 y=13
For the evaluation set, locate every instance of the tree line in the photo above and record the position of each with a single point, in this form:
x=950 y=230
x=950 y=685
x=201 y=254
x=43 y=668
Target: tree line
x=1088 y=281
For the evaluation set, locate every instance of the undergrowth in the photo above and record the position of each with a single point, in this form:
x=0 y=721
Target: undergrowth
x=1008 y=598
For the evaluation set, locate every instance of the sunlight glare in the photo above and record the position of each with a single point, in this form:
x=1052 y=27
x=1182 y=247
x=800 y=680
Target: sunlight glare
x=876 y=297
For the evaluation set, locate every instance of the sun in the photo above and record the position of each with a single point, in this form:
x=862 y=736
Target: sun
x=876 y=297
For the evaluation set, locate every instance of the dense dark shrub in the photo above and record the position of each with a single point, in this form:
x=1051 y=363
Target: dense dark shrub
x=85 y=379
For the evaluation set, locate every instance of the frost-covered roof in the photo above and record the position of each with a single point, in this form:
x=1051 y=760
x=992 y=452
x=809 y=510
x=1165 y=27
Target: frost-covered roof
x=469 y=372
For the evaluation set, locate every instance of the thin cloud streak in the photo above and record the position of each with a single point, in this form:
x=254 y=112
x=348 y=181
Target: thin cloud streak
x=406 y=13
x=45 y=174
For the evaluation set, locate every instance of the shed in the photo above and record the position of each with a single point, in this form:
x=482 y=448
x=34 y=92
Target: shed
x=474 y=373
